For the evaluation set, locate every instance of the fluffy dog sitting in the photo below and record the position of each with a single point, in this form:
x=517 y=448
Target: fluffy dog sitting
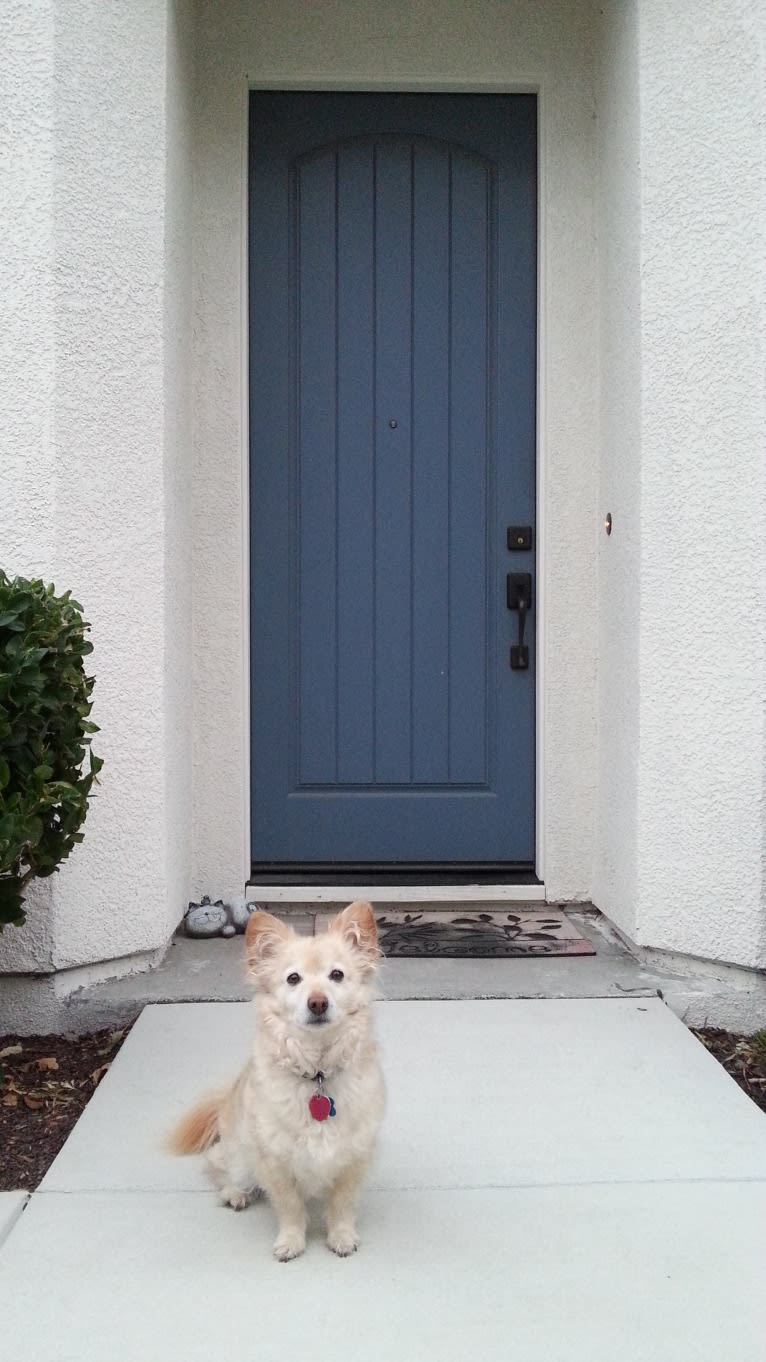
x=301 y=1120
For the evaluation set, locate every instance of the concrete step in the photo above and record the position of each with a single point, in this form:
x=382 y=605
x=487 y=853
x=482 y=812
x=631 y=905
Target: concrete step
x=489 y=1093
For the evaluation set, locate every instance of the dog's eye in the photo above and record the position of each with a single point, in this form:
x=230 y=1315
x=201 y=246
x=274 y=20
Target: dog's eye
x=336 y=975
x=293 y=979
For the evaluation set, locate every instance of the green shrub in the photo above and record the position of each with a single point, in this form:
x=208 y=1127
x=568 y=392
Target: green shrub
x=44 y=735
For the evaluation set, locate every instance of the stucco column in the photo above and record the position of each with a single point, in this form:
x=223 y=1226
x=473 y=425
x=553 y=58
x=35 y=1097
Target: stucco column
x=703 y=533
x=97 y=441
x=683 y=398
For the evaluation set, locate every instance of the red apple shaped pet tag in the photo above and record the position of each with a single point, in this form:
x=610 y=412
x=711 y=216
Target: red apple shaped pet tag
x=320 y=1105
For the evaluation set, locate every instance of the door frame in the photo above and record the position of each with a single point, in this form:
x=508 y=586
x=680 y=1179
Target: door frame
x=534 y=87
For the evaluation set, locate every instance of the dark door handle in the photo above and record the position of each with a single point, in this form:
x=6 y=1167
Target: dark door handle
x=519 y=597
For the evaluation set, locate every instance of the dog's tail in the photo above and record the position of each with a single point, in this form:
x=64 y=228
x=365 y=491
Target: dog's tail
x=198 y=1129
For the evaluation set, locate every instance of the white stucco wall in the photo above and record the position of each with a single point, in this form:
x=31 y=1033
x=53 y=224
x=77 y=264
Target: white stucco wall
x=96 y=432
x=682 y=107
x=703 y=568
x=126 y=124
x=615 y=868
x=178 y=467
x=425 y=44
x=27 y=349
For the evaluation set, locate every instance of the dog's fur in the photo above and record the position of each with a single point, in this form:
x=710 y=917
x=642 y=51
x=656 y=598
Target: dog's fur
x=260 y=1135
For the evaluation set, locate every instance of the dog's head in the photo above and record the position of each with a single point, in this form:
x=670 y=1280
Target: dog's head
x=315 y=980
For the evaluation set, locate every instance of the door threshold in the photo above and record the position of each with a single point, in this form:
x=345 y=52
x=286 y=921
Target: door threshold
x=397 y=893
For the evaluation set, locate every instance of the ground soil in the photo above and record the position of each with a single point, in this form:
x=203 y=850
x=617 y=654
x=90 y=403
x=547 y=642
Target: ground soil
x=45 y=1084
x=47 y=1081
x=744 y=1057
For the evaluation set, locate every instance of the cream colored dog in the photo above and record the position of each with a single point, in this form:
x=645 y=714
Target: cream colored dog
x=301 y=1120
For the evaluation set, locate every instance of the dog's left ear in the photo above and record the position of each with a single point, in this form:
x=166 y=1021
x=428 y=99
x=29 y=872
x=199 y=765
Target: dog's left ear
x=356 y=924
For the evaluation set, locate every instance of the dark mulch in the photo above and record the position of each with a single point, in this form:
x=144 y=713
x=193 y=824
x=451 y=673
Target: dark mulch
x=744 y=1057
x=45 y=1084
x=47 y=1081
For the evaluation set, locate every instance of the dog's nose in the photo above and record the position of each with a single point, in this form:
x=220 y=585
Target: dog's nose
x=317 y=1004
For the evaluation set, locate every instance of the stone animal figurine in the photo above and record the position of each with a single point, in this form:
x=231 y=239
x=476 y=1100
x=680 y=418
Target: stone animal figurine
x=217 y=919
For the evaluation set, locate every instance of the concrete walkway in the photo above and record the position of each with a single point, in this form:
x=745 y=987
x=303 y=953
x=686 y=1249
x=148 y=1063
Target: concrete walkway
x=558 y=1181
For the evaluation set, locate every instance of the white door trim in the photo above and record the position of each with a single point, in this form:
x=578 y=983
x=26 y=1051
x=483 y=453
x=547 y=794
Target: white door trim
x=400 y=893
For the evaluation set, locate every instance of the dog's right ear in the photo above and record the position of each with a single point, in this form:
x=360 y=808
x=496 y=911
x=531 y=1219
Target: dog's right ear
x=264 y=935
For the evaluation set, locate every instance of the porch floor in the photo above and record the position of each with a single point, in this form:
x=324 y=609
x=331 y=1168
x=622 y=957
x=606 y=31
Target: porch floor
x=573 y=1179
x=214 y=971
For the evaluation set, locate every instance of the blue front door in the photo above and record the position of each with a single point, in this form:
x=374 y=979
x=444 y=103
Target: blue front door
x=392 y=429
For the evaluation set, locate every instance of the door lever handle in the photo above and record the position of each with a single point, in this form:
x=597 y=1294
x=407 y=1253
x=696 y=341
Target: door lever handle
x=519 y=597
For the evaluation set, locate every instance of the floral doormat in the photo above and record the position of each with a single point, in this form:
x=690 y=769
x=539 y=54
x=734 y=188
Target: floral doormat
x=493 y=935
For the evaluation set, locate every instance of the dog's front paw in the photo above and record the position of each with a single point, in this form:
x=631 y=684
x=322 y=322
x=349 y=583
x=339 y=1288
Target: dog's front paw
x=344 y=1241
x=289 y=1244
x=238 y=1198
